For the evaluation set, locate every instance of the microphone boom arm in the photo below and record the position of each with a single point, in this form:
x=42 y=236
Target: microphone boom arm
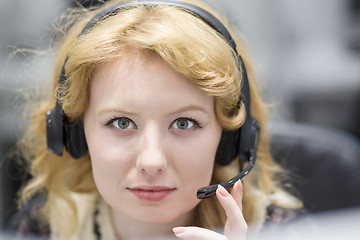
x=209 y=191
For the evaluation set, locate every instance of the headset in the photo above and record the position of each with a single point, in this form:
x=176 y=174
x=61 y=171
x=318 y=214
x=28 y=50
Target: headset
x=241 y=143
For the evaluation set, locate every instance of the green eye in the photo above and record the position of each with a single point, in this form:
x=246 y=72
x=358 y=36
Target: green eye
x=123 y=123
x=182 y=124
x=185 y=124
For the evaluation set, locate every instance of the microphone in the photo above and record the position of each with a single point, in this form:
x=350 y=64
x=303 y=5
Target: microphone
x=209 y=191
x=250 y=150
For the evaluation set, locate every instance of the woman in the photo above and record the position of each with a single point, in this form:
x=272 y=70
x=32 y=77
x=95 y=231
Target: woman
x=152 y=87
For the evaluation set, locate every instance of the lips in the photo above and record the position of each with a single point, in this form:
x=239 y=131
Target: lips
x=152 y=193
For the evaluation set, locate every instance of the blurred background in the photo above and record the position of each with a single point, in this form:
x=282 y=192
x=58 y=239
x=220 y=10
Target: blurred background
x=306 y=54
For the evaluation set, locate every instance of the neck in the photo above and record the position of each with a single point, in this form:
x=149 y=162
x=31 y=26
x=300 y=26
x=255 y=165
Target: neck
x=129 y=228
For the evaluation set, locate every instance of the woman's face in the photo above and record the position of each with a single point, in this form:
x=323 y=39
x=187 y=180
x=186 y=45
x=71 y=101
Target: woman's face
x=152 y=138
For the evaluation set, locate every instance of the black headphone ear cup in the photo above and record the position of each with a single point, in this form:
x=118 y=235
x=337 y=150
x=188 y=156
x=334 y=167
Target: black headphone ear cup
x=75 y=141
x=228 y=147
x=240 y=143
x=248 y=140
x=54 y=130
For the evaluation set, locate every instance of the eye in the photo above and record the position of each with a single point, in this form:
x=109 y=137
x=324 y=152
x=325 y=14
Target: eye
x=185 y=123
x=121 y=123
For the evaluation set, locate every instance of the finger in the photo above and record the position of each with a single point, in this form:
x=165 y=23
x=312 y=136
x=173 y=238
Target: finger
x=233 y=212
x=237 y=193
x=197 y=233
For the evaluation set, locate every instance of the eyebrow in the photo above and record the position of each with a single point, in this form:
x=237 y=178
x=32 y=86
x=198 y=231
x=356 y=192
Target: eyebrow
x=179 y=110
x=190 y=108
x=115 y=110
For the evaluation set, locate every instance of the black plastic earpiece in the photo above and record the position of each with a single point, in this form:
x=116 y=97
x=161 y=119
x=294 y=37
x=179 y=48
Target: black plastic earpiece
x=54 y=129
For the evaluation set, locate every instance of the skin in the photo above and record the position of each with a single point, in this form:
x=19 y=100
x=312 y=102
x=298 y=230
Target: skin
x=145 y=125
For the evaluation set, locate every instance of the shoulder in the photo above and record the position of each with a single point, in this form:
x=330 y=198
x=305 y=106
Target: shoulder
x=29 y=220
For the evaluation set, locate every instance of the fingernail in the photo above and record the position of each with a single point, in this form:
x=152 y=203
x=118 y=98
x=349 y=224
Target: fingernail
x=237 y=183
x=223 y=192
x=178 y=230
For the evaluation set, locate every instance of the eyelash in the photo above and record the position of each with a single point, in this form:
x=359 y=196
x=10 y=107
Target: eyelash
x=115 y=118
x=196 y=123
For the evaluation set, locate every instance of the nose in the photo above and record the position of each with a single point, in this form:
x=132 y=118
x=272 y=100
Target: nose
x=151 y=159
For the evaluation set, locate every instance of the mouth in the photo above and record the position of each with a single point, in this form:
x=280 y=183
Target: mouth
x=151 y=193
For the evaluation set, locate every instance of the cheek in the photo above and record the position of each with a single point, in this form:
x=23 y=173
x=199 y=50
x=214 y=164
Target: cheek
x=110 y=161
x=197 y=160
x=109 y=156
x=104 y=165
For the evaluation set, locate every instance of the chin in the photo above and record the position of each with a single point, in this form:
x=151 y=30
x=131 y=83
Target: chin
x=157 y=216
x=162 y=216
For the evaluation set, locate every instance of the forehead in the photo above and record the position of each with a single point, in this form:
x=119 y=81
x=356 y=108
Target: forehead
x=139 y=78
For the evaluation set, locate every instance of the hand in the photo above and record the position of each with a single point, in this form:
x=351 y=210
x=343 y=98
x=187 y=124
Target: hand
x=235 y=224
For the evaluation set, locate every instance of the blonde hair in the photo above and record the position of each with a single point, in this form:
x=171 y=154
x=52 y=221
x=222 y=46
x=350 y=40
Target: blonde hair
x=192 y=48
